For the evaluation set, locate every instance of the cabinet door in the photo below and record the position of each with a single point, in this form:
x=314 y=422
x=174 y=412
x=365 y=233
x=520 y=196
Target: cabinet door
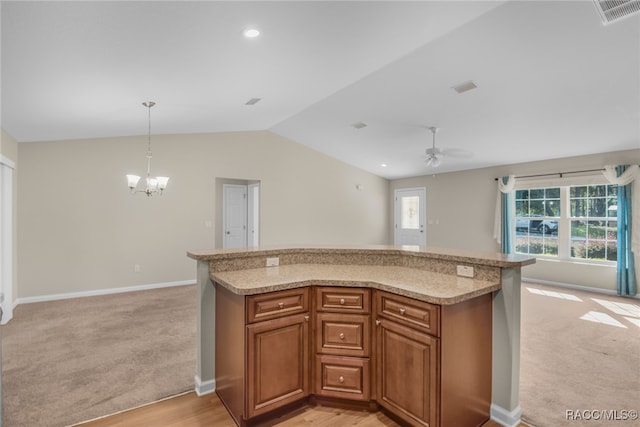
x=407 y=373
x=277 y=363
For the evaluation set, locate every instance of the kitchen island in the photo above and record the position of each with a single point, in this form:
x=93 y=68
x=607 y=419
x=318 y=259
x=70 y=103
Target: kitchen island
x=430 y=335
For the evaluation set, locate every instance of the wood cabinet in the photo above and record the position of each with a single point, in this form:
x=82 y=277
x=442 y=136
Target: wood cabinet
x=277 y=363
x=407 y=359
x=425 y=364
x=262 y=351
x=343 y=343
x=433 y=363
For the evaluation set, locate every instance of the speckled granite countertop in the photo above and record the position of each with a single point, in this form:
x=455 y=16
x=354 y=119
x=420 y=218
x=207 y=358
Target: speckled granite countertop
x=423 y=273
x=436 y=288
x=455 y=255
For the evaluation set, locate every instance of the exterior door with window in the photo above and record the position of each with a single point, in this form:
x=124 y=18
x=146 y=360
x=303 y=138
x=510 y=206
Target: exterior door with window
x=410 y=216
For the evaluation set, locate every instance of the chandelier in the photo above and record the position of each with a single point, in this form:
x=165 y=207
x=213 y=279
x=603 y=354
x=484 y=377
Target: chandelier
x=153 y=185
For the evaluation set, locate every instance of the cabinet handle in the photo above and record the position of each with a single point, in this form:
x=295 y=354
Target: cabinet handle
x=281 y=305
x=378 y=322
x=341 y=335
x=341 y=379
x=306 y=318
x=341 y=301
x=402 y=310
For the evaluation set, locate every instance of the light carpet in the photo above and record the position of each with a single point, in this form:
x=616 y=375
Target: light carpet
x=72 y=360
x=580 y=358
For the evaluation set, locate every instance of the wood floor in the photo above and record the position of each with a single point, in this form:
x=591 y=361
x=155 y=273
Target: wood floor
x=189 y=410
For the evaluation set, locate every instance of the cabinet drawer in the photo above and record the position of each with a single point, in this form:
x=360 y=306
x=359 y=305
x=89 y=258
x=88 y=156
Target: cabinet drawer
x=342 y=377
x=410 y=312
x=277 y=304
x=343 y=300
x=343 y=334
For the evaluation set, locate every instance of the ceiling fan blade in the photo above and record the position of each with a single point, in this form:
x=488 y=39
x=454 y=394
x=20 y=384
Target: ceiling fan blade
x=457 y=152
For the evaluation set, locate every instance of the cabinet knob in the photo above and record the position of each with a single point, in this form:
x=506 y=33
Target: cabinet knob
x=306 y=318
x=341 y=379
x=378 y=322
x=341 y=301
x=402 y=310
x=280 y=305
x=341 y=335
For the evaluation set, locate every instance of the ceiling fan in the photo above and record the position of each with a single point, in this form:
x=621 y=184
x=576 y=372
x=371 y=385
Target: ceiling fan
x=434 y=154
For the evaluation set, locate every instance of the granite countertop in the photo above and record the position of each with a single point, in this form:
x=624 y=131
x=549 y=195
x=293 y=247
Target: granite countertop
x=436 y=288
x=445 y=254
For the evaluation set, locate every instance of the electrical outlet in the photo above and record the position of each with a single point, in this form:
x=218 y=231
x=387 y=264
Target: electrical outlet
x=136 y=268
x=273 y=262
x=464 y=270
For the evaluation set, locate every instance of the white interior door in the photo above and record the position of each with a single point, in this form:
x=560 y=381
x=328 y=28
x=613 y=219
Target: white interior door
x=234 y=218
x=410 y=216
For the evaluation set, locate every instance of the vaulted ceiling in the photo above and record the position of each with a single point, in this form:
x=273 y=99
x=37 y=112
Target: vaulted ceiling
x=552 y=80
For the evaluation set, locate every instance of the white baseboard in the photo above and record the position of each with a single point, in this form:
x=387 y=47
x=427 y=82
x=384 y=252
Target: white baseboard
x=506 y=418
x=576 y=287
x=54 y=297
x=204 y=387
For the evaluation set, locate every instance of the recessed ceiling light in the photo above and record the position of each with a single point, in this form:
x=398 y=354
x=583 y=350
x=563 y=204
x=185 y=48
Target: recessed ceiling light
x=359 y=125
x=251 y=33
x=384 y=165
x=464 y=87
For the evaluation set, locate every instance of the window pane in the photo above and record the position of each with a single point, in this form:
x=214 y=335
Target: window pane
x=596 y=230
x=578 y=229
x=552 y=208
x=537 y=193
x=612 y=251
x=522 y=208
x=552 y=193
x=578 y=192
x=598 y=207
x=522 y=194
x=536 y=207
x=612 y=230
x=410 y=212
x=578 y=207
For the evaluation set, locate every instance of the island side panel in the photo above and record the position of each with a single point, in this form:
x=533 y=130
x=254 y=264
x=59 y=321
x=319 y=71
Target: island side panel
x=205 y=331
x=465 y=367
x=505 y=402
x=231 y=352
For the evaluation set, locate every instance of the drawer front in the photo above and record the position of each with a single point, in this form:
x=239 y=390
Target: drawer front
x=416 y=314
x=277 y=304
x=343 y=334
x=342 y=377
x=343 y=300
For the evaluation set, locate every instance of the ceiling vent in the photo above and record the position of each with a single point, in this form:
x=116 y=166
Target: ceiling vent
x=464 y=87
x=359 y=125
x=615 y=10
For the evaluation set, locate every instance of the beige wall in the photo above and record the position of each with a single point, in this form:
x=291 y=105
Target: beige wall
x=9 y=149
x=461 y=206
x=81 y=230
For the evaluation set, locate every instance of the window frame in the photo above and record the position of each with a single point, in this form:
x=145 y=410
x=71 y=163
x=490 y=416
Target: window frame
x=563 y=234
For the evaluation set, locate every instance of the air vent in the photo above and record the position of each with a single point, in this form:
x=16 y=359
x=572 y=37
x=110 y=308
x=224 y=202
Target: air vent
x=615 y=10
x=464 y=87
x=359 y=125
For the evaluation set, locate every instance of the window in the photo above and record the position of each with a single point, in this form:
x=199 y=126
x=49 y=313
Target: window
x=568 y=222
x=594 y=222
x=537 y=213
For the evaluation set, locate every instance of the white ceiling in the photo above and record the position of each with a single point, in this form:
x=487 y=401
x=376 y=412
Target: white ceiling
x=552 y=80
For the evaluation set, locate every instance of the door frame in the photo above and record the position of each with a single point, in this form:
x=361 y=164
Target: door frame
x=6 y=237
x=423 y=212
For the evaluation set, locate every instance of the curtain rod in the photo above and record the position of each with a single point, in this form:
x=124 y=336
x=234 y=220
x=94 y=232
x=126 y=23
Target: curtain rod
x=557 y=173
